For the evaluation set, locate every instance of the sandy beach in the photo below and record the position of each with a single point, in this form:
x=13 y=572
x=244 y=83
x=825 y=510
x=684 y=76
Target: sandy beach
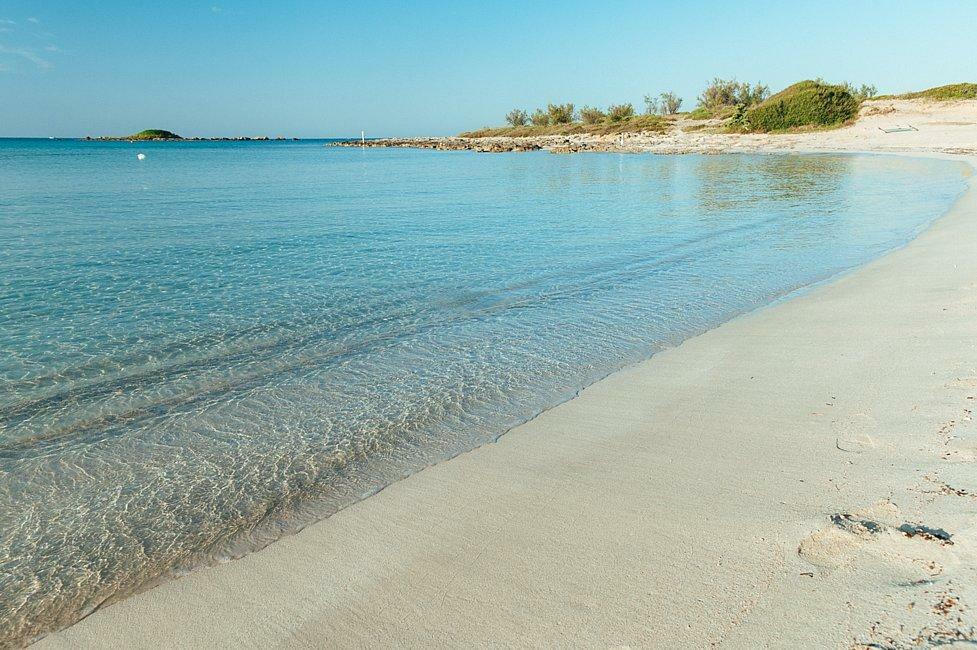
x=801 y=476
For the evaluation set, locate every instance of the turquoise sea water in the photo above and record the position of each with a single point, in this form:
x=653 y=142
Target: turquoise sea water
x=217 y=345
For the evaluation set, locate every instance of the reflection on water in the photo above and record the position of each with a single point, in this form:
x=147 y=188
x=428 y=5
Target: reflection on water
x=792 y=180
x=204 y=351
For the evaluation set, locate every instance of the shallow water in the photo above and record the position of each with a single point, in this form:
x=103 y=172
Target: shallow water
x=207 y=349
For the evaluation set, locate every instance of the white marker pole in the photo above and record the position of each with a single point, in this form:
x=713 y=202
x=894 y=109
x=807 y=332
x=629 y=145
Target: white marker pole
x=362 y=138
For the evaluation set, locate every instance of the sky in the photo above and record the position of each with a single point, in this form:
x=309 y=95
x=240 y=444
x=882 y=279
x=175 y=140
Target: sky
x=324 y=69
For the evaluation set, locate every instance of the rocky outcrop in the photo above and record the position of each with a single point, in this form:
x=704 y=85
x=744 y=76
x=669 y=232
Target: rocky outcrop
x=482 y=145
x=620 y=143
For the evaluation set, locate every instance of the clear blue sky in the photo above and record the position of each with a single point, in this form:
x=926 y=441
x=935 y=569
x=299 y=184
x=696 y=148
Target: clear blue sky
x=228 y=67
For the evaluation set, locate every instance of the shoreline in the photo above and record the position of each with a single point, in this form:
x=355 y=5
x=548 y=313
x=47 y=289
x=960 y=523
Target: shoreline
x=311 y=589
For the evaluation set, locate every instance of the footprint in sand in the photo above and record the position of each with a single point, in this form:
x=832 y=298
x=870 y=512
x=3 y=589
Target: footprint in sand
x=837 y=543
x=853 y=433
x=878 y=541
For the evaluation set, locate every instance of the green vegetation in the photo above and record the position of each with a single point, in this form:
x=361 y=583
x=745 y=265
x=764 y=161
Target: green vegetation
x=721 y=98
x=154 y=134
x=590 y=115
x=562 y=119
x=560 y=113
x=634 y=123
x=806 y=104
x=861 y=93
x=670 y=103
x=743 y=107
x=951 y=92
x=517 y=117
x=540 y=118
x=664 y=104
x=619 y=112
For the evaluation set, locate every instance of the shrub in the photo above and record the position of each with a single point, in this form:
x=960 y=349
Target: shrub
x=540 y=118
x=560 y=113
x=635 y=124
x=807 y=103
x=589 y=115
x=860 y=93
x=670 y=103
x=719 y=93
x=517 y=117
x=620 y=112
x=728 y=93
x=751 y=96
x=652 y=107
x=700 y=113
x=738 y=120
x=950 y=92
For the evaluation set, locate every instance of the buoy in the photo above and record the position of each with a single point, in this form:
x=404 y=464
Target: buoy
x=141 y=156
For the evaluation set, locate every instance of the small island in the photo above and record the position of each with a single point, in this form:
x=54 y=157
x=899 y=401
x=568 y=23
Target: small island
x=154 y=134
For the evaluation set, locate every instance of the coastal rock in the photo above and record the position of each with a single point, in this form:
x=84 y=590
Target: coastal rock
x=481 y=145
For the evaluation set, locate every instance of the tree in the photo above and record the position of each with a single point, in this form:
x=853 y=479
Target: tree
x=652 y=107
x=720 y=93
x=589 y=115
x=517 y=117
x=862 y=92
x=560 y=113
x=670 y=103
x=540 y=118
x=729 y=93
x=867 y=91
x=751 y=96
x=620 y=112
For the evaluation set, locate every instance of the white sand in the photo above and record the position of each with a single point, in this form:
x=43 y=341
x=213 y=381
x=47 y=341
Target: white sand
x=681 y=502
